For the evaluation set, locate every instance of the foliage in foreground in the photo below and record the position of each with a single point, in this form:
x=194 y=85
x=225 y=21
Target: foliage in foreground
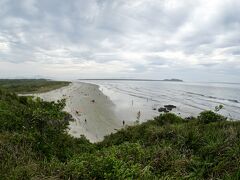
x=34 y=145
x=31 y=85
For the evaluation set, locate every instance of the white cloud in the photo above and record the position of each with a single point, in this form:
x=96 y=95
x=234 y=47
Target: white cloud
x=97 y=38
x=4 y=45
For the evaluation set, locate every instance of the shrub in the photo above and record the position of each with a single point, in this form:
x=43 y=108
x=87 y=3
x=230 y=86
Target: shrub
x=34 y=144
x=210 y=116
x=168 y=118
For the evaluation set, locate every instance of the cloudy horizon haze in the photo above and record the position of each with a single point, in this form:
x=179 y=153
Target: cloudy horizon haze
x=153 y=39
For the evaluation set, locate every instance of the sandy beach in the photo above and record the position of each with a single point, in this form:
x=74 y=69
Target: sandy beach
x=92 y=110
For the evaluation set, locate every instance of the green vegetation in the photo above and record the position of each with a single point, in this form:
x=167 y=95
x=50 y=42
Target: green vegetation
x=30 y=85
x=34 y=144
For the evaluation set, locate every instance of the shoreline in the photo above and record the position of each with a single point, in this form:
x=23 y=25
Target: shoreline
x=93 y=112
x=105 y=108
x=188 y=99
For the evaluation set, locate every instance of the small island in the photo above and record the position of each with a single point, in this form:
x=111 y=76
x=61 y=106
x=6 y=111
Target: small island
x=174 y=80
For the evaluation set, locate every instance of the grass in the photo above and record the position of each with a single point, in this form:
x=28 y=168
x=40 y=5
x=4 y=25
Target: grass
x=31 y=85
x=34 y=144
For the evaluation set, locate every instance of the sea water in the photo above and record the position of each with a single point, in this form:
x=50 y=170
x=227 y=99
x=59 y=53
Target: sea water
x=132 y=97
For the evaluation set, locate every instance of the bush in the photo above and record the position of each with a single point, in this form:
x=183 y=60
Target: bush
x=168 y=118
x=210 y=116
x=34 y=144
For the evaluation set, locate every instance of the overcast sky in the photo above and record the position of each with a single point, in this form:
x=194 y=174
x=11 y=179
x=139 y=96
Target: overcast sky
x=192 y=40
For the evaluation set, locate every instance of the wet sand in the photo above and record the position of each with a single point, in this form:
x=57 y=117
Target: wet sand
x=93 y=111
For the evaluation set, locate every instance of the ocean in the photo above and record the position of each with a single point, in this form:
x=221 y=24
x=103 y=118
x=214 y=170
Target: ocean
x=132 y=97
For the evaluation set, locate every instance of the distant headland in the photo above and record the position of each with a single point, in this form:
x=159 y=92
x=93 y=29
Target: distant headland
x=176 y=80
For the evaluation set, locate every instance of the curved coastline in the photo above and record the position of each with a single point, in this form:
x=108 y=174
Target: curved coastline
x=93 y=112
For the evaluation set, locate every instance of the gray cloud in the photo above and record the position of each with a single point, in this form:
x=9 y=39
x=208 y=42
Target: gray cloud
x=111 y=38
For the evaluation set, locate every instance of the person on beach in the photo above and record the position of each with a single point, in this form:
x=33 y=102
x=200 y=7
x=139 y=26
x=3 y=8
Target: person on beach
x=85 y=120
x=123 y=122
x=138 y=115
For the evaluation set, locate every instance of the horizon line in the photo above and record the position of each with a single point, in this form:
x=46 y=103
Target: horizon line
x=131 y=79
